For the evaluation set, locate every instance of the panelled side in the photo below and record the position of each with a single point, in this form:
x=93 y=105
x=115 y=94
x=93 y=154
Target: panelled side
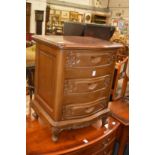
x=46 y=59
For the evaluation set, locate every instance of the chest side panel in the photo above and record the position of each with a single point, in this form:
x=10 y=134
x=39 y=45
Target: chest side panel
x=46 y=59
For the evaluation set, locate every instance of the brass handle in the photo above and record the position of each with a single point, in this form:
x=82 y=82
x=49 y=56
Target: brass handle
x=92 y=86
x=95 y=60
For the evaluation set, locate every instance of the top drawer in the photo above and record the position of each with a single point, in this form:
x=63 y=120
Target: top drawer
x=85 y=58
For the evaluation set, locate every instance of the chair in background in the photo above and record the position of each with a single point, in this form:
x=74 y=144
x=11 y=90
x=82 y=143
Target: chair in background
x=121 y=79
x=119 y=106
x=30 y=71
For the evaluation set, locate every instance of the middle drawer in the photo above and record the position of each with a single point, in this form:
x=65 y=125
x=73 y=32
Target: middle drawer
x=86 y=85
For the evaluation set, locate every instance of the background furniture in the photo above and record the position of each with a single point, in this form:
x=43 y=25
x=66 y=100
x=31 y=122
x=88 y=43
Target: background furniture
x=120 y=111
x=28 y=15
x=121 y=79
x=86 y=141
x=73 y=80
x=73 y=29
x=101 y=31
x=100 y=18
x=39 y=17
x=30 y=71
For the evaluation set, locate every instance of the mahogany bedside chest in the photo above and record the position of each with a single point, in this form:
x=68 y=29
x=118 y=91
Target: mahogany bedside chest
x=73 y=80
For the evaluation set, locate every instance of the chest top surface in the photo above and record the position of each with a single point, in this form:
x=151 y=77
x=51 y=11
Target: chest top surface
x=65 y=42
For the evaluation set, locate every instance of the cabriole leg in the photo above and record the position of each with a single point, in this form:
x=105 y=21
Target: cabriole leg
x=55 y=134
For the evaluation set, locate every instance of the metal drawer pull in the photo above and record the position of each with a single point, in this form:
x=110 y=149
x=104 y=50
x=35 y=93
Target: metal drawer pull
x=94 y=73
x=89 y=109
x=107 y=152
x=105 y=143
x=96 y=60
x=77 y=61
x=108 y=140
x=92 y=86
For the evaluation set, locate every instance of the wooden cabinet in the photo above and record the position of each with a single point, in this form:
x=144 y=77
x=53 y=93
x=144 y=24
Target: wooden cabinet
x=86 y=141
x=28 y=14
x=73 y=80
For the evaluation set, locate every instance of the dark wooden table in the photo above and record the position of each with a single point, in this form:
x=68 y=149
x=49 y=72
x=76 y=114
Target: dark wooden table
x=38 y=138
x=120 y=111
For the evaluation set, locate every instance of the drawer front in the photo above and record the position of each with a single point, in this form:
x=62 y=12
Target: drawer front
x=86 y=85
x=109 y=149
x=88 y=72
x=109 y=139
x=106 y=145
x=86 y=58
x=96 y=149
x=106 y=151
x=81 y=110
x=77 y=98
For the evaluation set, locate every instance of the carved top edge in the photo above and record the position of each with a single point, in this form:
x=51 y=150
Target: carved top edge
x=76 y=42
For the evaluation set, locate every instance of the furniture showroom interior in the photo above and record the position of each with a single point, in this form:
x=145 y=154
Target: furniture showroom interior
x=77 y=77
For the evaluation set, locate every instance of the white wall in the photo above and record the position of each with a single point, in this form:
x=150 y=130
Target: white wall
x=119 y=6
x=68 y=8
x=83 y=2
x=99 y=3
x=37 y=5
x=116 y=6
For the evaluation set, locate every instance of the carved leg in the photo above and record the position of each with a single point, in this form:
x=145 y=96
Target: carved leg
x=35 y=115
x=30 y=93
x=30 y=108
x=55 y=134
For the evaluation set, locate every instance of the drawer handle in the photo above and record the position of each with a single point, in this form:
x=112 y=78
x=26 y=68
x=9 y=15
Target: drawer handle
x=109 y=139
x=105 y=143
x=89 y=109
x=96 y=60
x=92 y=86
x=77 y=61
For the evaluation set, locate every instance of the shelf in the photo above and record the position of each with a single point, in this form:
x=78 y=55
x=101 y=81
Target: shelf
x=79 y=6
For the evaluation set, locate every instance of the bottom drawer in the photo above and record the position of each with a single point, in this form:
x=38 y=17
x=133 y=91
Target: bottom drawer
x=83 y=110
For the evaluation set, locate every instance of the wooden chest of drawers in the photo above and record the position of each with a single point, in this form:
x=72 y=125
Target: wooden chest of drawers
x=73 y=80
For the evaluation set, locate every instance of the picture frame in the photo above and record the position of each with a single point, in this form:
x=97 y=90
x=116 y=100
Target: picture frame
x=52 y=11
x=57 y=12
x=65 y=14
x=73 y=16
x=81 y=18
x=55 y=20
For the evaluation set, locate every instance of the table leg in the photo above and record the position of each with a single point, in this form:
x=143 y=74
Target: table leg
x=124 y=139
